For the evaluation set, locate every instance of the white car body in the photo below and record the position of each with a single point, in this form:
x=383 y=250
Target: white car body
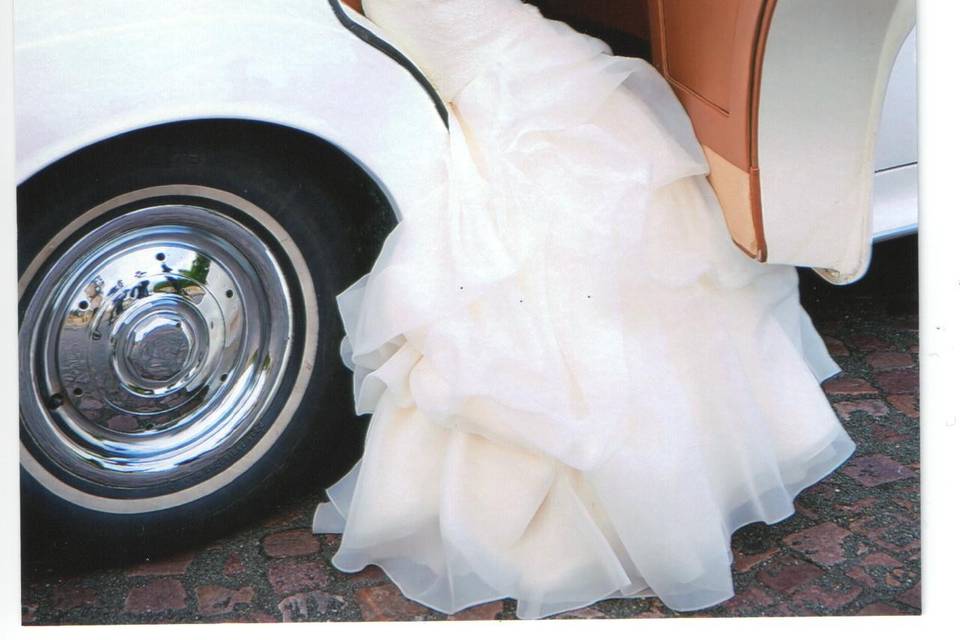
x=83 y=76
x=895 y=182
x=836 y=135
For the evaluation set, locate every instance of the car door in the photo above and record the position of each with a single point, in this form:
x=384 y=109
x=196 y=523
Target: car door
x=785 y=97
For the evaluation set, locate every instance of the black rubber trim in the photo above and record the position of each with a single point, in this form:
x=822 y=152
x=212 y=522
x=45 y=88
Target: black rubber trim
x=386 y=48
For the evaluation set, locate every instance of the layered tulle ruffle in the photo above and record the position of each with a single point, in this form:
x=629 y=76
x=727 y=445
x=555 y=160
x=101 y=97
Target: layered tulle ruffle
x=580 y=388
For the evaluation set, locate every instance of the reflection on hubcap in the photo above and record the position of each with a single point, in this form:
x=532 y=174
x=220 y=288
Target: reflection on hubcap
x=157 y=347
x=157 y=352
x=154 y=344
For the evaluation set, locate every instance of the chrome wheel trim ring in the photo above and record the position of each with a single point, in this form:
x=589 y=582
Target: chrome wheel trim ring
x=155 y=323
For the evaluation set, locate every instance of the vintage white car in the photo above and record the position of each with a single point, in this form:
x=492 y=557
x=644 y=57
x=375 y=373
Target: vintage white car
x=197 y=181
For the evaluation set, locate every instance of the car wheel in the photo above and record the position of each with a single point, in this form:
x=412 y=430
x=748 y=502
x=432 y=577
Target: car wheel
x=178 y=335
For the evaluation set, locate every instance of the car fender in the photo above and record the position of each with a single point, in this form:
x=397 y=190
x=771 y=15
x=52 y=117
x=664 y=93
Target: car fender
x=84 y=76
x=825 y=74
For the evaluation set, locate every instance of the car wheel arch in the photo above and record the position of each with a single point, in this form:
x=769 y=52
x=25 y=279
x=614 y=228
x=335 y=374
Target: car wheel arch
x=371 y=209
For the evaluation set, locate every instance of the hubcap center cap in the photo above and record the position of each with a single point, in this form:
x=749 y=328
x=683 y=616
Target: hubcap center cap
x=159 y=346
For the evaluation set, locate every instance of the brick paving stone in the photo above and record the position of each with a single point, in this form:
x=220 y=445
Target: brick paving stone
x=233 y=565
x=835 y=347
x=744 y=562
x=822 y=543
x=879 y=609
x=162 y=594
x=308 y=606
x=848 y=386
x=870 y=406
x=899 y=381
x=748 y=601
x=491 y=610
x=214 y=600
x=827 y=598
x=330 y=540
x=860 y=506
x=368 y=576
x=72 y=596
x=291 y=576
x=175 y=565
x=785 y=574
x=911 y=597
x=907 y=504
x=869 y=343
x=252 y=615
x=655 y=609
x=874 y=470
x=882 y=360
x=907 y=404
x=891 y=531
x=283 y=520
x=587 y=613
x=900 y=577
x=871 y=569
x=886 y=435
x=287 y=544
x=385 y=602
x=813 y=514
x=909 y=500
x=780 y=610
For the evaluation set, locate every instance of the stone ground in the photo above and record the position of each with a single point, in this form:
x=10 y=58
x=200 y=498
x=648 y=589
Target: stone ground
x=852 y=548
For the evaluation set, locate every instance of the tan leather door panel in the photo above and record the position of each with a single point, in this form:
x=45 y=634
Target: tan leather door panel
x=710 y=52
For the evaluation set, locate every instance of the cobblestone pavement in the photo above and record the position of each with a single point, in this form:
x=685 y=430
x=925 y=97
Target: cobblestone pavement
x=852 y=548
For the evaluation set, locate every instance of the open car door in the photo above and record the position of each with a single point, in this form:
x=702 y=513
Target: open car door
x=785 y=97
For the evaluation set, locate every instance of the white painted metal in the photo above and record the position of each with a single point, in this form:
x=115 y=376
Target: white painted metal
x=895 y=202
x=897 y=135
x=85 y=74
x=825 y=75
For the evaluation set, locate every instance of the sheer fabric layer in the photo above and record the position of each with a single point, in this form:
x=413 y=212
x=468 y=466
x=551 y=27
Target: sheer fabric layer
x=580 y=388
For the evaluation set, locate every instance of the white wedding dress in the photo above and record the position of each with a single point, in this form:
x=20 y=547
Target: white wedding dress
x=580 y=387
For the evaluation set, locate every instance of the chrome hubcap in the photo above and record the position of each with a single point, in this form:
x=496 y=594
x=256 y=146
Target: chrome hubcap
x=154 y=344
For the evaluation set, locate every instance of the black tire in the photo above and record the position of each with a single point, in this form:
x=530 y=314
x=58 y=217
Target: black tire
x=336 y=217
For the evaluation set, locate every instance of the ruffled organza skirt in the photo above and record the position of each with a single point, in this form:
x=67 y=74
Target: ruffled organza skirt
x=579 y=386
